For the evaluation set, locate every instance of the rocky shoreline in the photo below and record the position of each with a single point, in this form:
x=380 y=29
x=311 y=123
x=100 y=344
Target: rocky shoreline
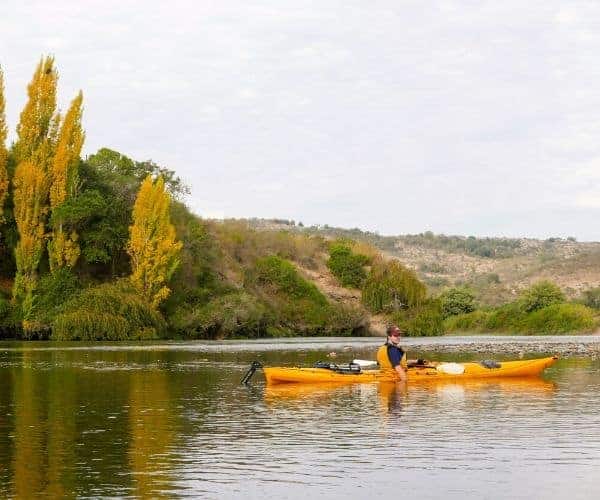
x=586 y=346
x=505 y=346
x=490 y=345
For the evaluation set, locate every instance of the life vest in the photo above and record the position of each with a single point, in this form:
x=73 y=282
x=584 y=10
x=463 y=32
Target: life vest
x=383 y=358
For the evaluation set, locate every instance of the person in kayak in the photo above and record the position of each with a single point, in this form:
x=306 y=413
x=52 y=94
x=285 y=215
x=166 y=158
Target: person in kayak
x=390 y=355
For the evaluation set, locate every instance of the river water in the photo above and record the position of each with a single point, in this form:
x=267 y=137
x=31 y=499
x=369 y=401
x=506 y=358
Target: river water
x=171 y=419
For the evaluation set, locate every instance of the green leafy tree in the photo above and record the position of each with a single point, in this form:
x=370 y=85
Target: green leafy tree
x=126 y=174
x=540 y=295
x=458 y=300
x=391 y=286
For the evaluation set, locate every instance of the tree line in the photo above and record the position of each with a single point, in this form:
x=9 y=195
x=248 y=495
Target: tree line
x=42 y=206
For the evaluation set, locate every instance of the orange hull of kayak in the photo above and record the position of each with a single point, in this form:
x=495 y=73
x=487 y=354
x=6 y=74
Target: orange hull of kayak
x=521 y=368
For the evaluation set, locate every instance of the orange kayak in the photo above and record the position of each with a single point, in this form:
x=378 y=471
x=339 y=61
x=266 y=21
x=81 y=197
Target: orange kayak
x=430 y=371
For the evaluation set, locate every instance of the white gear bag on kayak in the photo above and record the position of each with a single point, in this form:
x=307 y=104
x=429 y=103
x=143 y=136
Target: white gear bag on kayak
x=366 y=364
x=450 y=368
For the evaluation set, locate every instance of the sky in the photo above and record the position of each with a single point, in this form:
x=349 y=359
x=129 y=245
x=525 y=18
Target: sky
x=458 y=117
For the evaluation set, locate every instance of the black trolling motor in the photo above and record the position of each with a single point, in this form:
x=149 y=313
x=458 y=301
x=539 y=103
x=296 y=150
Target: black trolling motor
x=253 y=367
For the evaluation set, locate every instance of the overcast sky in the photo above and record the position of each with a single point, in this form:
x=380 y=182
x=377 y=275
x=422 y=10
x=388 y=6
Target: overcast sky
x=461 y=117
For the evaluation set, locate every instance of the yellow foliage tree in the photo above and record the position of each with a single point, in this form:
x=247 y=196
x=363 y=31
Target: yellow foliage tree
x=152 y=246
x=34 y=152
x=30 y=195
x=38 y=124
x=3 y=151
x=63 y=249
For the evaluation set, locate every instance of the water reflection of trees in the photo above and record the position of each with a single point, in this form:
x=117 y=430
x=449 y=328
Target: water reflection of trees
x=152 y=434
x=62 y=431
x=78 y=429
x=29 y=434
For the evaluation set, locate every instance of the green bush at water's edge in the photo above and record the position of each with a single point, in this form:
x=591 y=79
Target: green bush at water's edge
x=425 y=320
x=553 y=319
x=4 y=309
x=540 y=295
x=234 y=314
x=107 y=312
x=561 y=318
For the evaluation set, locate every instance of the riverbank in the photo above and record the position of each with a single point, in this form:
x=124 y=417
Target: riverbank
x=344 y=347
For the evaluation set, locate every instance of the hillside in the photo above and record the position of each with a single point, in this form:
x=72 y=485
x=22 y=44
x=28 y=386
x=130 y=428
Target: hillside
x=496 y=268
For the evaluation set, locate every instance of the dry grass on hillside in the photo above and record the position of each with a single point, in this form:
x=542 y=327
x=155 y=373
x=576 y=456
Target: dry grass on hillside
x=573 y=266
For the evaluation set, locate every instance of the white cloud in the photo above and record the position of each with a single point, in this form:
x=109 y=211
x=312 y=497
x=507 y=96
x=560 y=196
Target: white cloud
x=589 y=199
x=468 y=113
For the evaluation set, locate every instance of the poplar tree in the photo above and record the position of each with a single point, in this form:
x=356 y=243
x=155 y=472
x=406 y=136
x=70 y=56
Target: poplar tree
x=3 y=151
x=63 y=249
x=152 y=246
x=38 y=123
x=34 y=151
x=30 y=200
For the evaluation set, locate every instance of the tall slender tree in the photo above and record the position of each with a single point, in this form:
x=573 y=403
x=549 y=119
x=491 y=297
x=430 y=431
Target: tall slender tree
x=30 y=199
x=38 y=124
x=153 y=247
x=3 y=151
x=34 y=152
x=63 y=249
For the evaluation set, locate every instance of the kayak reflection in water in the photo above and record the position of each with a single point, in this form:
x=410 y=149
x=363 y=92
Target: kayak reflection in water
x=391 y=356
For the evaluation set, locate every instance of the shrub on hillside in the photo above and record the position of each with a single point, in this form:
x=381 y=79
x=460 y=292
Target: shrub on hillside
x=296 y=305
x=591 y=298
x=347 y=266
x=458 y=300
x=432 y=267
x=540 y=295
x=245 y=245
x=390 y=287
x=281 y=276
x=292 y=301
x=436 y=281
x=107 y=312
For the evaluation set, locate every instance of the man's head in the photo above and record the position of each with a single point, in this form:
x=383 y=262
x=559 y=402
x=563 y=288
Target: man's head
x=394 y=333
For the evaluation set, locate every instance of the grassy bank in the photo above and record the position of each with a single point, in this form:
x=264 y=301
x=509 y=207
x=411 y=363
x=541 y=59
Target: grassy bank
x=542 y=309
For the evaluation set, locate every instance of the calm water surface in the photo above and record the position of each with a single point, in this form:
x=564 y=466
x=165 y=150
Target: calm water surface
x=170 y=420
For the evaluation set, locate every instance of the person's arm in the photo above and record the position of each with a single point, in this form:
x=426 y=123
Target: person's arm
x=397 y=356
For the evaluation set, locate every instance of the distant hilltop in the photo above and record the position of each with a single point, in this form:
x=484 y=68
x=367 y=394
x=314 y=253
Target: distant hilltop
x=496 y=268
